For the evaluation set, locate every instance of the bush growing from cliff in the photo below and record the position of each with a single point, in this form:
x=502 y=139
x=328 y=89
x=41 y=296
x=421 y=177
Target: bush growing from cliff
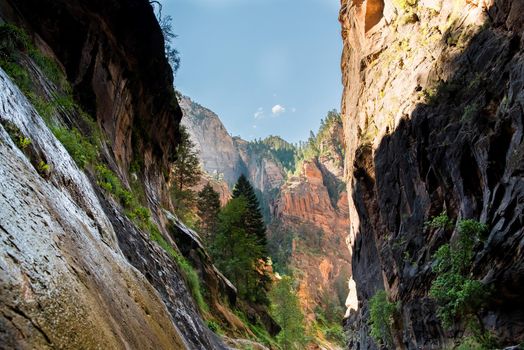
x=381 y=312
x=457 y=294
x=441 y=221
x=172 y=54
x=79 y=147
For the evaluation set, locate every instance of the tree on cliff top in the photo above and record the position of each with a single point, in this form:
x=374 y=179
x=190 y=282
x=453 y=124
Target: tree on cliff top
x=208 y=205
x=253 y=219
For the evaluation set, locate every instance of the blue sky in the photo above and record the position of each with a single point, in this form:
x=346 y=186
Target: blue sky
x=266 y=67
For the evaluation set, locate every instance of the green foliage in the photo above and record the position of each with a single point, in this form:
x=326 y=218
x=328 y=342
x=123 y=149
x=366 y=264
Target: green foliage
x=285 y=309
x=13 y=40
x=328 y=315
x=470 y=111
x=275 y=148
x=442 y=221
x=43 y=168
x=172 y=54
x=253 y=221
x=186 y=173
x=323 y=143
x=208 y=205
x=457 y=295
x=16 y=135
x=23 y=142
x=335 y=333
x=381 y=312
x=261 y=334
x=214 y=327
x=79 y=147
x=280 y=247
x=236 y=253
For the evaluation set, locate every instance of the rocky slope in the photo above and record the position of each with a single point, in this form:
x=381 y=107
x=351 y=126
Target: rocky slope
x=432 y=111
x=91 y=258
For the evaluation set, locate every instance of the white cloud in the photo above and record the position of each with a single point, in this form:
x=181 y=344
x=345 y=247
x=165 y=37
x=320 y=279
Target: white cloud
x=277 y=109
x=254 y=126
x=293 y=109
x=259 y=114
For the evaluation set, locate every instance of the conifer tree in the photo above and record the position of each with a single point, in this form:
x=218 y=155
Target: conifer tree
x=208 y=205
x=253 y=219
x=186 y=173
x=236 y=253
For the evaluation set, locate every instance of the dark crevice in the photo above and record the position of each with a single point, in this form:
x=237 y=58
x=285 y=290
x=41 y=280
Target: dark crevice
x=499 y=145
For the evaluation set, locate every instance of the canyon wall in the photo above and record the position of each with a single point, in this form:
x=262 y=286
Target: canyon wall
x=90 y=256
x=432 y=111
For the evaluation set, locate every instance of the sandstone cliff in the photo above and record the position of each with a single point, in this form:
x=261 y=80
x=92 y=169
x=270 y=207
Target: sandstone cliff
x=90 y=256
x=225 y=157
x=432 y=111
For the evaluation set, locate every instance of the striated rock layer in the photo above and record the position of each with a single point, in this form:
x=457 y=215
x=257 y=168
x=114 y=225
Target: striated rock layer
x=432 y=110
x=75 y=271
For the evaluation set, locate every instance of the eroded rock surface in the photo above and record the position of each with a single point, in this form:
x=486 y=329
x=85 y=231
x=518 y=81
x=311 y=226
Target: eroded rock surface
x=432 y=112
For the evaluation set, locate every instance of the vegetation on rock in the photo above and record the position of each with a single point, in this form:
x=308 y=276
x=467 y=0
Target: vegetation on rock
x=458 y=295
x=381 y=312
x=286 y=310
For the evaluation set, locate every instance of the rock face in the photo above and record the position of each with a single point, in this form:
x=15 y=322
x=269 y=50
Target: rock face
x=432 y=111
x=317 y=226
x=217 y=149
x=75 y=271
x=311 y=212
x=225 y=157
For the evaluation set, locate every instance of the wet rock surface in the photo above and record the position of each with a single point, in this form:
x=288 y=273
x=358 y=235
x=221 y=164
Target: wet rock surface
x=433 y=123
x=76 y=272
x=64 y=280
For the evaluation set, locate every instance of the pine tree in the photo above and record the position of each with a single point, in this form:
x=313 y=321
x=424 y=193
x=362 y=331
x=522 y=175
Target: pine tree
x=186 y=173
x=235 y=252
x=253 y=219
x=208 y=205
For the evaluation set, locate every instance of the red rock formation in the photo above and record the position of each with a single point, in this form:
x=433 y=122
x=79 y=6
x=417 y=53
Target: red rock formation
x=305 y=209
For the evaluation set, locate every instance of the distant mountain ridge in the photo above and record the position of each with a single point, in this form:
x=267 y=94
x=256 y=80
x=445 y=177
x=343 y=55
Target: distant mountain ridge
x=302 y=195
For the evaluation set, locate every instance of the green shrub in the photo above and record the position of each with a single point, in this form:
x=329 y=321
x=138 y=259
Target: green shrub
x=381 y=312
x=214 y=327
x=43 y=168
x=457 y=295
x=442 y=221
x=19 y=75
x=12 y=40
x=335 y=333
x=79 y=147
